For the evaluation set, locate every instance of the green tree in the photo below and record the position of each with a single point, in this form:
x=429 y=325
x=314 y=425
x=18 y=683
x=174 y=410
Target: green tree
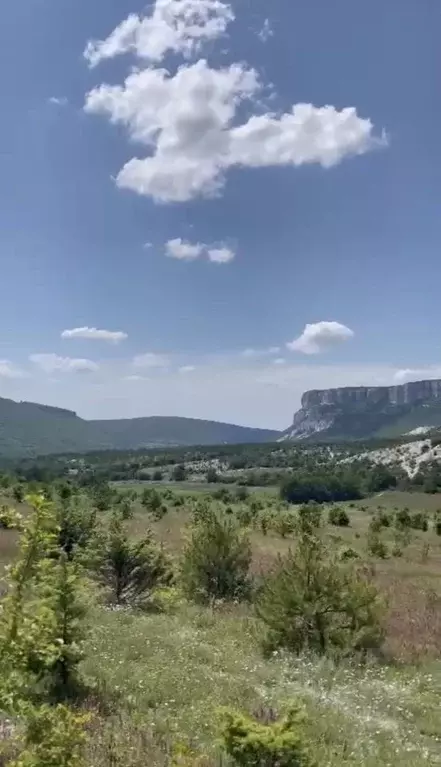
x=314 y=600
x=216 y=559
x=129 y=571
x=179 y=473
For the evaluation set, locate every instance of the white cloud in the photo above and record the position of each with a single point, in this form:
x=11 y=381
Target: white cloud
x=184 y=250
x=150 y=360
x=188 y=122
x=266 y=32
x=250 y=353
x=59 y=101
x=220 y=255
x=320 y=336
x=9 y=370
x=94 y=334
x=177 y=26
x=147 y=245
x=186 y=369
x=135 y=378
x=279 y=361
x=187 y=251
x=51 y=363
x=417 y=374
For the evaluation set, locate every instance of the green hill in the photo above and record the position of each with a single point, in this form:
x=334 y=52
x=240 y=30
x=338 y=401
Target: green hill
x=27 y=429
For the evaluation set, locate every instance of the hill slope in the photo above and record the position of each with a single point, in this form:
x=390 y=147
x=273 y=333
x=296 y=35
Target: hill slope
x=367 y=412
x=27 y=428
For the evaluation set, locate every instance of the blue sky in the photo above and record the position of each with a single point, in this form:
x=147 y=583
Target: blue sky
x=187 y=175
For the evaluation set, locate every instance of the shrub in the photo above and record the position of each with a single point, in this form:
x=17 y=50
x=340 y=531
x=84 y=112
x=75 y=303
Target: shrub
x=419 y=521
x=315 y=601
x=216 y=559
x=437 y=523
x=18 y=493
x=211 y=475
x=338 y=517
x=375 y=546
x=403 y=519
x=242 y=493
x=53 y=737
x=129 y=572
x=157 y=476
x=179 y=473
x=310 y=516
x=250 y=743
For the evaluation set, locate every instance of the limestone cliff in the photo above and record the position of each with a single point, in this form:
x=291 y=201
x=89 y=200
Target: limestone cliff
x=362 y=412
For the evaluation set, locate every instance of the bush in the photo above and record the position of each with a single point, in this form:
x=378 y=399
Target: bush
x=437 y=524
x=129 y=572
x=375 y=546
x=338 y=517
x=250 y=743
x=242 y=494
x=310 y=516
x=419 y=521
x=403 y=519
x=315 y=601
x=157 y=476
x=212 y=475
x=216 y=559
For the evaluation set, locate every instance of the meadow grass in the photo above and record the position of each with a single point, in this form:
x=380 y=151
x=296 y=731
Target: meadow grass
x=161 y=679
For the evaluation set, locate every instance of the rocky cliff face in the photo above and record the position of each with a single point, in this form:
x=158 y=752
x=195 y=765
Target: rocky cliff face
x=361 y=411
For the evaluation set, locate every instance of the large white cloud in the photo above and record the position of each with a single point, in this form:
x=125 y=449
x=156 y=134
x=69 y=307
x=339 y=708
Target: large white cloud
x=187 y=251
x=178 y=26
x=320 y=337
x=94 y=334
x=189 y=122
x=53 y=363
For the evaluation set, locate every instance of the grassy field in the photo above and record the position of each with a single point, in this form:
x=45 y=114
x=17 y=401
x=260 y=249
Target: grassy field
x=166 y=675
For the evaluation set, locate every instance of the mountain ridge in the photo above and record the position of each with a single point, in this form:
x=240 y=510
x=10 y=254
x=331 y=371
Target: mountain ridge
x=29 y=428
x=363 y=412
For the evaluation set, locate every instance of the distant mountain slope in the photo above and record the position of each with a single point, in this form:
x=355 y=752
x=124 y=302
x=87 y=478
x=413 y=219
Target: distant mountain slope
x=367 y=412
x=163 y=430
x=27 y=428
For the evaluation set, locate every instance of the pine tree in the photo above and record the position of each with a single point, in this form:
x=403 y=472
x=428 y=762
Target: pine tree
x=129 y=571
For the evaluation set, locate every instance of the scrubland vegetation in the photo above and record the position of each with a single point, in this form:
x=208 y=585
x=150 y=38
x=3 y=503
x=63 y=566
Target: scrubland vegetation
x=204 y=623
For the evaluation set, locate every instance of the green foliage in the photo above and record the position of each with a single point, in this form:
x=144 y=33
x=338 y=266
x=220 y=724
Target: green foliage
x=76 y=522
x=310 y=516
x=403 y=519
x=53 y=737
x=315 y=601
x=18 y=493
x=321 y=488
x=375 y=545
x=419 y=521
x=216 y=559
x=250 y=743
x=10 y=519
x=338 y=517
x=179 y=473
x=129 y=571
x=437 y=523
x=212 y=475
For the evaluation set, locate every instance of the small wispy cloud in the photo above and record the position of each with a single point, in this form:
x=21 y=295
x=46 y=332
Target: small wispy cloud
x=52 y=363
x=150 y=360
x=188 y=251
x=266 y=32
x=59 y=101
x=9 y=370
x=94 y=334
